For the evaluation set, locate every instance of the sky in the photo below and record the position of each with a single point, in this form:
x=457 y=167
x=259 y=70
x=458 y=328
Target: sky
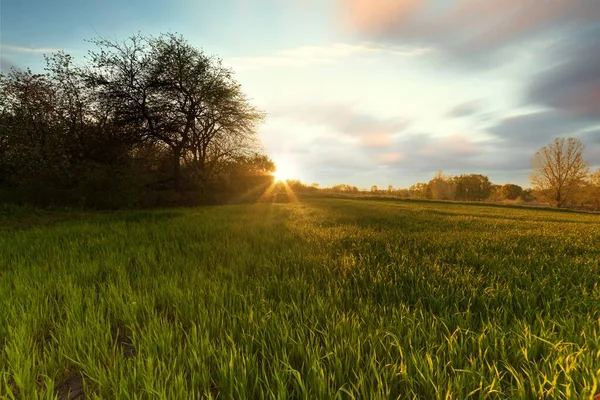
x=364 y=92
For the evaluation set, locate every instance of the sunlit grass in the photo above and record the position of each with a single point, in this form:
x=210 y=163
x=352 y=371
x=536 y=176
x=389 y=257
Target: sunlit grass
x=313 y=299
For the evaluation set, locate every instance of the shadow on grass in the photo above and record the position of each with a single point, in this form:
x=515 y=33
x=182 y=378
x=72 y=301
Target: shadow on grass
x=28 y=217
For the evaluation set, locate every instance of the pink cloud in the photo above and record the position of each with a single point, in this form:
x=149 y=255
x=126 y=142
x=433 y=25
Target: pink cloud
x=375 y=14
x=457 y=144
x=465 y=24
x=375 y=138
x=389 y=158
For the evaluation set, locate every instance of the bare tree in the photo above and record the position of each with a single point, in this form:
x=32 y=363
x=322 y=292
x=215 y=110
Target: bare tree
x=559 y=169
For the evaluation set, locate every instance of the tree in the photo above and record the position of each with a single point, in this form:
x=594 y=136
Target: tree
x=420 y=190
x=511 y=191
x=595 y=186
x=139 y=117
x=374 y=189
x=175 y=94
x=472 y=187
x=31 y=133
x=559 y=169
x=442 y=187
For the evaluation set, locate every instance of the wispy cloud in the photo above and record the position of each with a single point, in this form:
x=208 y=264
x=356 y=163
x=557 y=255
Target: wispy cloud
x=21 y=49
x=326 y=54
x=338 y=50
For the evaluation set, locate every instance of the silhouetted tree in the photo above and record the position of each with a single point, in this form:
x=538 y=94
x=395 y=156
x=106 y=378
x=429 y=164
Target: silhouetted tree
x=33 y=141
x=137 y=118
x=173 y=93
x=558 y=170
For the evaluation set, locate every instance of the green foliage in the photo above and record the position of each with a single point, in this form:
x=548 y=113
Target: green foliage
x=511 y=191
x=420 y=191
x=472 y=187
x=320 y=299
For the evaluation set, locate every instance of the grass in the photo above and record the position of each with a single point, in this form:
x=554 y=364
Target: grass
x=324 y=298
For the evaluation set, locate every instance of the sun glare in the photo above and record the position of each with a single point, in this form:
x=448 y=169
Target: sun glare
x=285 y=171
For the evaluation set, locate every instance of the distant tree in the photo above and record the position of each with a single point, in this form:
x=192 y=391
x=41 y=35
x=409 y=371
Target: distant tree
x=343 y=188
x=420 y=190
x=390 y=189
x=405 y=193
x=472 y=187
x=559 y=169
x=584 y=196
x=511 y=191
x=496 y=193
x=528 y=195
x=442 y=187
x=374 y=189
x=595 y=188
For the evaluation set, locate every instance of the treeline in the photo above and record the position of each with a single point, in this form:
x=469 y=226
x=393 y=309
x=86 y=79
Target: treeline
x=469 y=187
x=466 y=187
x=472 y=187
x=142 y=122
x=561 y=177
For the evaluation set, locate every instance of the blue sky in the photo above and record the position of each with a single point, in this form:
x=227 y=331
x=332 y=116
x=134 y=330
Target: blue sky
x=371 y=91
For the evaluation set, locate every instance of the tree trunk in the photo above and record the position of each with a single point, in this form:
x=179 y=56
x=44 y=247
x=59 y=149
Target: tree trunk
x=177 y=168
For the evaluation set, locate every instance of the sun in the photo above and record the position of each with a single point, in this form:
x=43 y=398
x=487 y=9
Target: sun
x=285 y=171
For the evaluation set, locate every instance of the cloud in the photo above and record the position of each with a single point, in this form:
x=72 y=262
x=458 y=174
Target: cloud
x=539 y=128
x=465 y=109
x=464 y=26
x=22 y=49
x=591 y=138
x=351 y=140
x=336 y=50
x=573 y=85
x=326 y=54
x=389 y=158
x=345 y=120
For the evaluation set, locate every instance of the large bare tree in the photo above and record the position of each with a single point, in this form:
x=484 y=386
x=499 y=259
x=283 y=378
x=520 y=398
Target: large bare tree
x=559 y=169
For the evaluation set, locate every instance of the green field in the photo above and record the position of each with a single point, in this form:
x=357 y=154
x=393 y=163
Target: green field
x=322 y=298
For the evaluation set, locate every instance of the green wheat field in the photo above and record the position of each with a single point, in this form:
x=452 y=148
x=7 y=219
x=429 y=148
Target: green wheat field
x=316 y=299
